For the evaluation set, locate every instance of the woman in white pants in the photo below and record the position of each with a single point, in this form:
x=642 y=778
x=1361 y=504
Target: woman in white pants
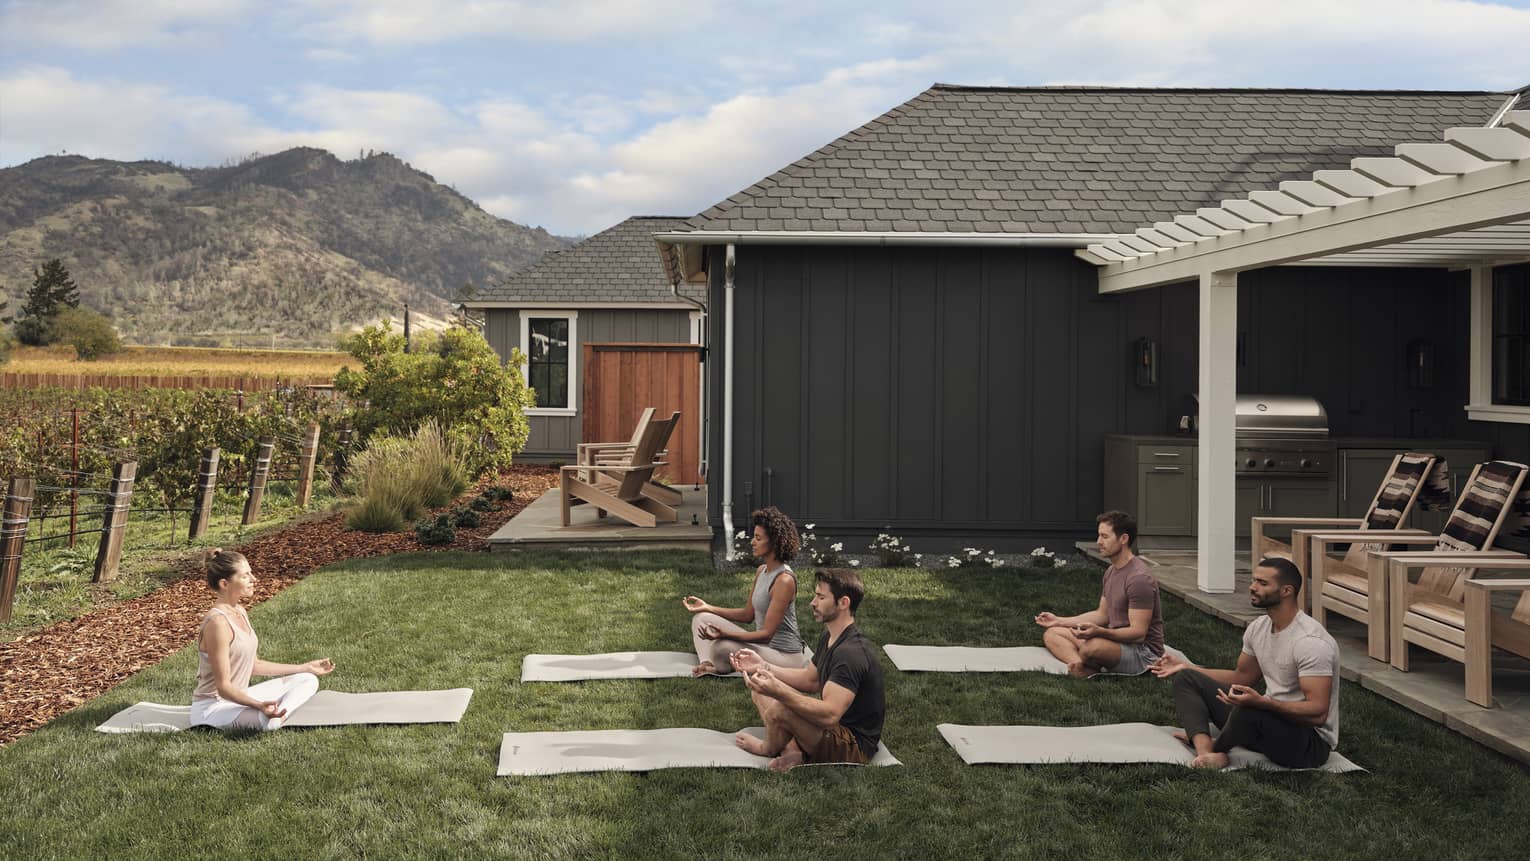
x=718 y=633
x=224 y=697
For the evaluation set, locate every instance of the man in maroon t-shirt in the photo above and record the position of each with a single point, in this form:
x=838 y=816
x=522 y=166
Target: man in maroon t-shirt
x=1125 y=633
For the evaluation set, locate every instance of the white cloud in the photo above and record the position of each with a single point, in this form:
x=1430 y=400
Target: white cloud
x=405 y=22
x=47 y=110
x=109 y=24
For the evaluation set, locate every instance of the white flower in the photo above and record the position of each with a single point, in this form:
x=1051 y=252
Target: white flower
x=739 y=536
x=837 y=546
x=997 y=563
x=810 y=526
x=1058 y=563
x=1039 y=551
x=855 y=563
x=918 y=556
x=953 y=562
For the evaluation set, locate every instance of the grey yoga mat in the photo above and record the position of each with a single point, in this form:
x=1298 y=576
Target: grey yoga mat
x=537 y=753
x=973 y=659
x=326 y=708
x=613 y=665
x=1121 y=742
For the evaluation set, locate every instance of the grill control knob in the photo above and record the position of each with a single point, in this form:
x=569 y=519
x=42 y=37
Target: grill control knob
x=1268 y=463
x=1250 y=463
x=1306 y=464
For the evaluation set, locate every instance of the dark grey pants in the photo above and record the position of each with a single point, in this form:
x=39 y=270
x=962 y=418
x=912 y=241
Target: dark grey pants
x=1285 y=742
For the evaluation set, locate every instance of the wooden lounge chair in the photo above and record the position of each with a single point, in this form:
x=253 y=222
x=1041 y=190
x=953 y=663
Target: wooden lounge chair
x=593 y=453
x=1451 y=614
x=625 y=489
x=1412 y=476
x=1358 y=588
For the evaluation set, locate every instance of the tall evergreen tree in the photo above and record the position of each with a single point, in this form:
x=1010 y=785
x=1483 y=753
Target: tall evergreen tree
x=52 y=287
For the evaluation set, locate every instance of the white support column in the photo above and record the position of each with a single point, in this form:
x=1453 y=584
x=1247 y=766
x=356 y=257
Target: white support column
x=1217 y=445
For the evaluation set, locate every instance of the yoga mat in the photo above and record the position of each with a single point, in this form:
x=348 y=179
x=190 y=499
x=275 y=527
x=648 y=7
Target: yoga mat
x=614 y=665
x=326 y=708
x=537 y=753
x=973 y=659
x=1122 y=742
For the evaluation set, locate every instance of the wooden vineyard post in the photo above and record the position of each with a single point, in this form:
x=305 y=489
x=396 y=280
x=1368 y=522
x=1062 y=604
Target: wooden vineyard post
x=258 y=473
x=207 y=487
x=309 y=454
x=119 y=500
x=13 y=534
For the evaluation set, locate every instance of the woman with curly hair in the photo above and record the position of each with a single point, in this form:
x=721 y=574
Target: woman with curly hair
x=224 y=697
x=718 y=632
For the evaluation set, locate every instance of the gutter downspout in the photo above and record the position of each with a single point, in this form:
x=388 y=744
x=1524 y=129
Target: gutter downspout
x=727 y=441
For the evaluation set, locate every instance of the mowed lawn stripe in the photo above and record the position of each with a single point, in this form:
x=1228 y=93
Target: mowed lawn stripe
x=452 y=620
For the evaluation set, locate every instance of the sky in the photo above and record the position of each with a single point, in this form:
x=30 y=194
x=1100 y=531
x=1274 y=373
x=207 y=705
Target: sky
x=574 y=115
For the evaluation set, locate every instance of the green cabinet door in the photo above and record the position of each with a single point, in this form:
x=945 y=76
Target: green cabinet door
x=1361 y=471
x=1165 y=500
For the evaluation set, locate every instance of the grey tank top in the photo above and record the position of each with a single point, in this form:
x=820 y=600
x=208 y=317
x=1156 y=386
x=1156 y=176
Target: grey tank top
x=786 y=639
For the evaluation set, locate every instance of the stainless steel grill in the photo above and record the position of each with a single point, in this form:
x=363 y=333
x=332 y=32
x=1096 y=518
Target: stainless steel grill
x=1282 y=435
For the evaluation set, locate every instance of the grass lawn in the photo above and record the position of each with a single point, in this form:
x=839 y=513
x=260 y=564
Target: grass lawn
x=440 y=621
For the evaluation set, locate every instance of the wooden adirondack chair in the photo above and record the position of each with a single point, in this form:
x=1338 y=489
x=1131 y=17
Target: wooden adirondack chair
x=623 y=489
x=1451 y=614
x=1357 y=587
x=1400 y=488
x=592 y=453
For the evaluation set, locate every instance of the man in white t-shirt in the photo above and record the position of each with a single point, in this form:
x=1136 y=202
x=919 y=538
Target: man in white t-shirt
x=1295 y=722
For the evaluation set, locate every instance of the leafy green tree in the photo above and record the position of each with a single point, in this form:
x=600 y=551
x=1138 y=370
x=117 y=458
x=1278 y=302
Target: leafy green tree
x=452 y=376
x=90 y=333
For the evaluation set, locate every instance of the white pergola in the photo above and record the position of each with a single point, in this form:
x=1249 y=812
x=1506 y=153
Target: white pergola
x=1460 y=204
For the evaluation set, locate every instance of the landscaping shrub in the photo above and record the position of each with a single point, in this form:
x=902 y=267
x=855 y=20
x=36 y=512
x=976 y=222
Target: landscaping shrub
x=404 y=476
x=435 y=530
x=892 y=552
x=498 y=493
x=90 y=333
x=466 y=518
x=481 y=503
x=452 y=377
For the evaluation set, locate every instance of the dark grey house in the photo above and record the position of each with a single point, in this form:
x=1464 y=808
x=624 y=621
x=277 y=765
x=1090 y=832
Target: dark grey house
x=901 y=334
x=611 y=287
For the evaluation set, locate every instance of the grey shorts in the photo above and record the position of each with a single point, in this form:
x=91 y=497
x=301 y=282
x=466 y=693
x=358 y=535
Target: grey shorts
x=1135 y=658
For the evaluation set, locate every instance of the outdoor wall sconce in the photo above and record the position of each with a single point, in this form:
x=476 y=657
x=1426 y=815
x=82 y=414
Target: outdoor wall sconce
x=1421 y=364
x=1145 y=362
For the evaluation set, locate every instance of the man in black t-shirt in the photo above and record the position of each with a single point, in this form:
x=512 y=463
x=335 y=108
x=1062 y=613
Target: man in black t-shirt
x=845 y=725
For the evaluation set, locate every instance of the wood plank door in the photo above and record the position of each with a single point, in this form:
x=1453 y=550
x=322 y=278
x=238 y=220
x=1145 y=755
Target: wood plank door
x=622 y=379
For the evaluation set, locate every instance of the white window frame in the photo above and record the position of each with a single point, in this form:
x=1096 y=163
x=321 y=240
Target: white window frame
x=1480 y=407
x=574 y=382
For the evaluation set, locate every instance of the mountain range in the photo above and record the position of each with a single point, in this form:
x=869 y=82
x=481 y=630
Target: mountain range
x=290 y=248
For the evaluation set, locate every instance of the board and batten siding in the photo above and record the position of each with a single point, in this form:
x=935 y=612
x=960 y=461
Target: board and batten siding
x=962 y=395
x=555 y=437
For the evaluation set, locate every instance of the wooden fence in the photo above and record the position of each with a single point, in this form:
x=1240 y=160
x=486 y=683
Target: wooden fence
x=620 y=380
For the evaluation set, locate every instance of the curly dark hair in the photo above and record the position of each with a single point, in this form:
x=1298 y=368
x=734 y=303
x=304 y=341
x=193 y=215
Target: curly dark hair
x=779 y=530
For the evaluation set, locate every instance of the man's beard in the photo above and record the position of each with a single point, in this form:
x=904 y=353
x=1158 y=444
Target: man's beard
x=1266 y=603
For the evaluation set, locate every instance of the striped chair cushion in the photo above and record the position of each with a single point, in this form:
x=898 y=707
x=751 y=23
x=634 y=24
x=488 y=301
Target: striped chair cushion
x=1484 y=505
x=1400 y=488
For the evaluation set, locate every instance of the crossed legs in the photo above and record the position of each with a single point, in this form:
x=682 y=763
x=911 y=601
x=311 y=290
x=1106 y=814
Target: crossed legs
x=787 y=735
x=1084 y=657
x=1285 y=742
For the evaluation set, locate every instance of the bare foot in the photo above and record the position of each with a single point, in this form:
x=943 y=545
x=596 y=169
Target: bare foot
x=703 y=668
x=788 y=760
x=1081 y=670
x=751 y=744
x=1210 y=760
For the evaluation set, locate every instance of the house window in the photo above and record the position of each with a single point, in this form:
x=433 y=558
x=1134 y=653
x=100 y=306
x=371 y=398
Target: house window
x=1500 y=344
x=1511 y=342
x=549 y=342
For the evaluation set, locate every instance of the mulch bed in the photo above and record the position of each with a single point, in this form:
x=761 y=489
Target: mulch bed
x=52 y=670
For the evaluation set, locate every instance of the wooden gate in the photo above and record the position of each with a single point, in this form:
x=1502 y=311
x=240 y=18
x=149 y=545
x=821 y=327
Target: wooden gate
x=621 y=380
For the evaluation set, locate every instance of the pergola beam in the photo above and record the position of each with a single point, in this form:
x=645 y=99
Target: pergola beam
x=1495 y=195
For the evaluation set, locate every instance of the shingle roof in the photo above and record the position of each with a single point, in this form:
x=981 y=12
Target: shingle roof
x=1079 y=159
x=620 y=264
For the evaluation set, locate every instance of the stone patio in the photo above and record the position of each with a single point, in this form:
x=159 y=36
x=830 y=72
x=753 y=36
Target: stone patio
x=540 y=526
x=1435 y=687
